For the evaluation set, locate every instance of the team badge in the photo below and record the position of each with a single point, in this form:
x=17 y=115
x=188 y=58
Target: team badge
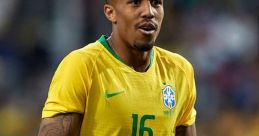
x=169 y=97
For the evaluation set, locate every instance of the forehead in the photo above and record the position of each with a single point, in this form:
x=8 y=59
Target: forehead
x=110 y=1
x=121 y=1
x=115 y=2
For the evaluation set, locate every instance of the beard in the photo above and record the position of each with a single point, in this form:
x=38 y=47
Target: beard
x=143 y=47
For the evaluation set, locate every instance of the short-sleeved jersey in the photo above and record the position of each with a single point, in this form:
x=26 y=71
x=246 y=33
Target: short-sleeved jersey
x=116 y=100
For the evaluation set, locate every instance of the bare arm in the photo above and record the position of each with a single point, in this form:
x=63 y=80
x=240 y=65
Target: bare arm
x=186 y=130
x=61 y=125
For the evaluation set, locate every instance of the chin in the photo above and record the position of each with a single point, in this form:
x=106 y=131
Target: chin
x=144 y=46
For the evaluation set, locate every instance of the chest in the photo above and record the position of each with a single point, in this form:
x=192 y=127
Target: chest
x=123 y=101
x=122 y=93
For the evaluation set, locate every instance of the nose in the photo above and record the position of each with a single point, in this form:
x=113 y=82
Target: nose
x=148 y=10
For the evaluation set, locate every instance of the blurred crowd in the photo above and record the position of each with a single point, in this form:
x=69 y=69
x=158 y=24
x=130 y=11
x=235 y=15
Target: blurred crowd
x=220 y=38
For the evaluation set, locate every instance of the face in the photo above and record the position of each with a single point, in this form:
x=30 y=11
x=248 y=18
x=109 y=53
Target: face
x=137 y=22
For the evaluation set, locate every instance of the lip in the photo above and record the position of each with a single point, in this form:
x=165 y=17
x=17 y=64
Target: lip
x=147 y=32
x=147 y=28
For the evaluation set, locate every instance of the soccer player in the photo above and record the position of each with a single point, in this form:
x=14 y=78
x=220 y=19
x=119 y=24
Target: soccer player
x=123 y=85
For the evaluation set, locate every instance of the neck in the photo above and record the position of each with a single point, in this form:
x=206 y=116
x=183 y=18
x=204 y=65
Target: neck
x=138 y=60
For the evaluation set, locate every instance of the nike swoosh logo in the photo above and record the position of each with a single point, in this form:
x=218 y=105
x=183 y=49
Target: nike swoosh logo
x=109 y=95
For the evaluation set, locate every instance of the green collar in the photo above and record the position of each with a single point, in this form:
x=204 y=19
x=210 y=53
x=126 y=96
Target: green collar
x=105 y=43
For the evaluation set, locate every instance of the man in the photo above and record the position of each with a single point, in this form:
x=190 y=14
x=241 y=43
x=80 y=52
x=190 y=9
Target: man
x=122 y=85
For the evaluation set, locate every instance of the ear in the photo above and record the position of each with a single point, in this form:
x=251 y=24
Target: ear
x=110 y=13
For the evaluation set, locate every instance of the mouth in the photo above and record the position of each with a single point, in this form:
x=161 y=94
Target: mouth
x=147 y=28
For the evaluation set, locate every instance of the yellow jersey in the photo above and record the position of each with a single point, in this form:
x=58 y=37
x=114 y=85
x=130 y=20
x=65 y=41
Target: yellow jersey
x=116 y=100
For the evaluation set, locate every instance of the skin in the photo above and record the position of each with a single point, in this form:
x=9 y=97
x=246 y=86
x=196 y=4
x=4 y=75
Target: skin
x=132 y=44
x=61 y=125
x=127 y=40
x=185 y=130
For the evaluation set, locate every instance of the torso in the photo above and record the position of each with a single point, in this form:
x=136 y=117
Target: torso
x=122 y=102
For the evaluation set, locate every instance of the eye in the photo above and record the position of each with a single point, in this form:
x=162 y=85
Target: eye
x=134 y=2
x=156 y=3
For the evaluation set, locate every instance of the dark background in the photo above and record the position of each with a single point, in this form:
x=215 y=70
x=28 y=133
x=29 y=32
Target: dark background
x=219 y=37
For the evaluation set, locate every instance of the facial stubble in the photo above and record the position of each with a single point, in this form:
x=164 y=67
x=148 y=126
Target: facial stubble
x=143 y=47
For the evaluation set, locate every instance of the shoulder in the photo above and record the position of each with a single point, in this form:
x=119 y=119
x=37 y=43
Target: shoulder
x=85 y=55
x=80 y=61
x=173 y=59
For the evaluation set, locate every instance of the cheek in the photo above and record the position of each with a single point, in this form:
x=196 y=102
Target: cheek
x=161 y=17
x=125 y=24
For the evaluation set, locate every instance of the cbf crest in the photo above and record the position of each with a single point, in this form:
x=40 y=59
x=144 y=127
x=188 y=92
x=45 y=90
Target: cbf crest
x=169 y=97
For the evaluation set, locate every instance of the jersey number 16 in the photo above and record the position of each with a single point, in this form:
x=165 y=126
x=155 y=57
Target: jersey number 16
x=142 y=127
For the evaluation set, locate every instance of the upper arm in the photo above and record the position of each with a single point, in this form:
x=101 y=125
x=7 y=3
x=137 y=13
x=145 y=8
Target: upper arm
x=186 y=122
x=61 y=125
x=186 y=130
x=188 y=113
x=69 y=86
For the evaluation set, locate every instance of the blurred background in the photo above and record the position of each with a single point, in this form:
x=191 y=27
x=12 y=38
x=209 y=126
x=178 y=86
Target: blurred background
x=219 y=37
